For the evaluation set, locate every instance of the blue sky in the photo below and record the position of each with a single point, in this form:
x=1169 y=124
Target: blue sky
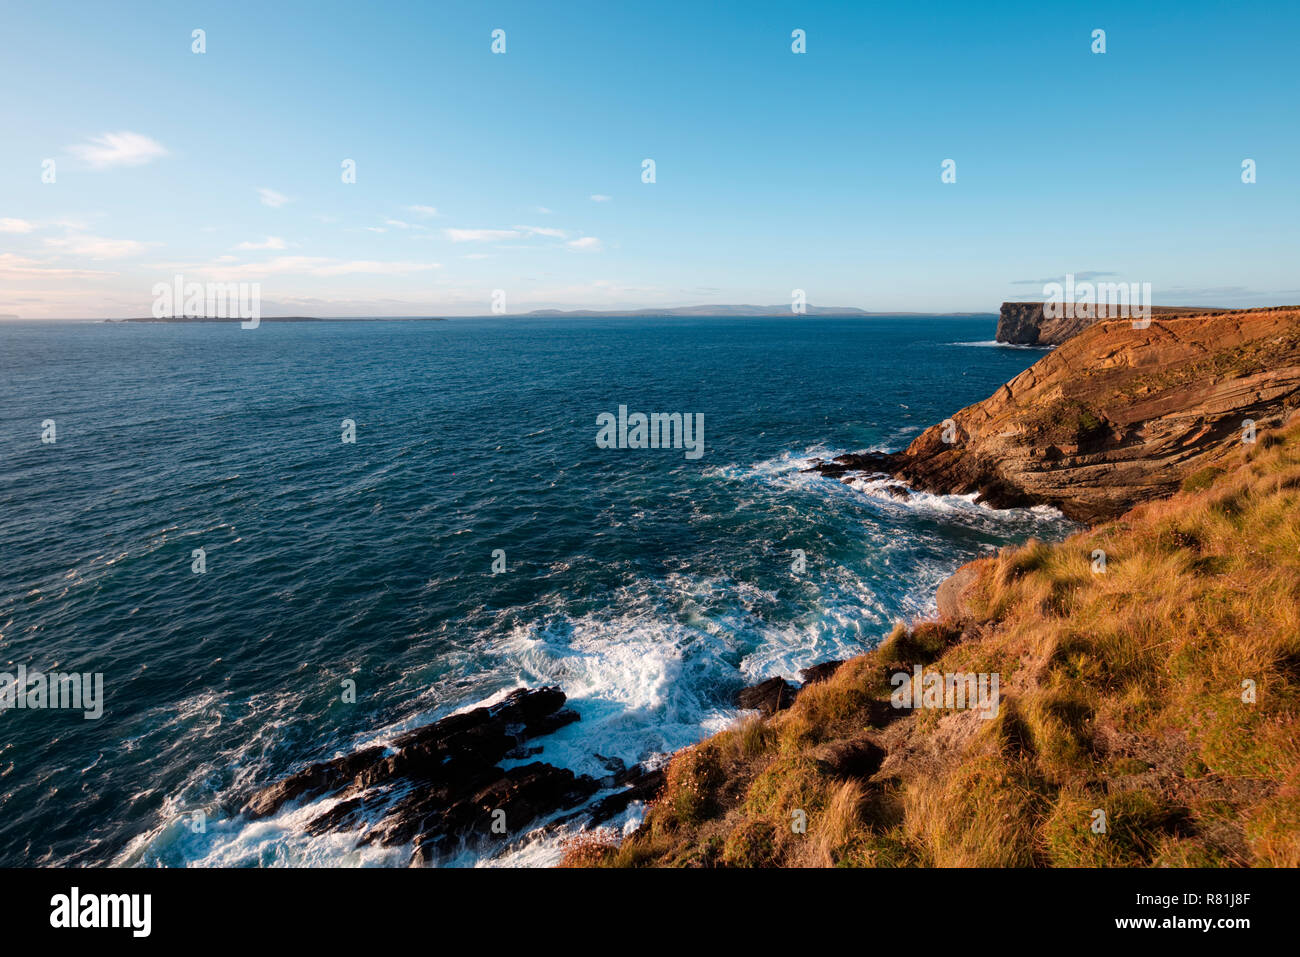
x=522 y=171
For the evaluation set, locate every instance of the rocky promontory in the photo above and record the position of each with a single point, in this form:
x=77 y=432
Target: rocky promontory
x=1027 y=324
x=1112 y=690
x=1114 y=416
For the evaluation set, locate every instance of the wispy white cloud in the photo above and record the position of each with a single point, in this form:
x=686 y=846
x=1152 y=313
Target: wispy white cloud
x=480 y=235
x=500 y=235
x=589 y=243
x=320 y=266
x=271 y=242
x=542 y=209
x=271 y=198
x=541 y=231
x=21 y=267
x=16 y=226
x=426 y=211
x=118 y=149
x=97 y=247
x=400 y=224
x=1086 y=275
x=374 y=267
x=600 y=198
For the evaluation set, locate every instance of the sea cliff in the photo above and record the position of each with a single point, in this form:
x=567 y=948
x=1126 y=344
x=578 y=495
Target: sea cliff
x=1147 y=711
x=1027 y=324
x=1114 y=416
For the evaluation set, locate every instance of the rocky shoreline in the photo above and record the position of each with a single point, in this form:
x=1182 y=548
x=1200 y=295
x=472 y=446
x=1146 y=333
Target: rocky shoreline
x=442 y=788
x=1114 y=416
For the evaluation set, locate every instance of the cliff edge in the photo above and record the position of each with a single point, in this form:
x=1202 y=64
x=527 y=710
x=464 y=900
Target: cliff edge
x=1137 y=710
x=1112 y=417
x=1147 y=694
x=1026 y=323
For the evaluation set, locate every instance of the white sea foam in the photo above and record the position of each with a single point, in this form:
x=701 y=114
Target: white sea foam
x=627 y=679
x=276 y=841
x=995 y=344
x=788 y=469
x=546 y=848
x=877 y=487
x=649 y=671
x=636 y=681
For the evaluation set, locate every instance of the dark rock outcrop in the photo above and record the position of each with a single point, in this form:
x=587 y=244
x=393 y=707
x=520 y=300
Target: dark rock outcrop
x=767 y=697
x=440 y=786
x=311 y=782
x=1020 y=323
x=819 y=672
x=640 y=784
x=1114 y=416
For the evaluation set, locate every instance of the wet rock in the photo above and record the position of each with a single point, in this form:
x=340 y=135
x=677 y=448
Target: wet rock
x=642 y=785
x=311 y=782
x=819 y=672
x=440 y=785
x=614 y=766
x=880 y=464
x=767 y=697
x=491 y=815
x=520 y=753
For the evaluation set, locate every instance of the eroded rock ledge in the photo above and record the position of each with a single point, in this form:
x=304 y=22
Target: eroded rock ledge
x=441 y=786
x=1114 y=416
x=776 y=694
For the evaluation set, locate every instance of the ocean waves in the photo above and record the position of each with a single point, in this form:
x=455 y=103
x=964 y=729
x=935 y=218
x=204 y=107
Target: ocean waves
x=648 y=587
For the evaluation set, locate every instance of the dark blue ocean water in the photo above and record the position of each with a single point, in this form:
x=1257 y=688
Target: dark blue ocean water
x=649 y=586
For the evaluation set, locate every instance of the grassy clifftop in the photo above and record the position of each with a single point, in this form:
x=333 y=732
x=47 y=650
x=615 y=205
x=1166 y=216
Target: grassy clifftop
x=1126 y=699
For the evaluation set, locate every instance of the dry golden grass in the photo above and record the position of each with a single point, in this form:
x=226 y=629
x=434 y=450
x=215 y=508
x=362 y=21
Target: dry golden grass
x=1122 y=693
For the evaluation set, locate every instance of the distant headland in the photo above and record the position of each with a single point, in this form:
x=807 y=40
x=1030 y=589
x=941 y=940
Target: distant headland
x=1027 y=324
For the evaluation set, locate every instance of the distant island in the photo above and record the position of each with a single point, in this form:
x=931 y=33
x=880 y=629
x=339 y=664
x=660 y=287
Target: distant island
x=196 y=319
x=180 y=319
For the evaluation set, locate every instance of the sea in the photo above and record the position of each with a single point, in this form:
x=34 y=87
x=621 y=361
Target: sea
x=182 y=513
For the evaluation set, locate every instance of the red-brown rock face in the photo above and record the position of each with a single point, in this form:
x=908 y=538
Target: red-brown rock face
x=1113 y=416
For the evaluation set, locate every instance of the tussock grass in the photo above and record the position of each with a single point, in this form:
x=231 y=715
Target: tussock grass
x=1121 y=693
